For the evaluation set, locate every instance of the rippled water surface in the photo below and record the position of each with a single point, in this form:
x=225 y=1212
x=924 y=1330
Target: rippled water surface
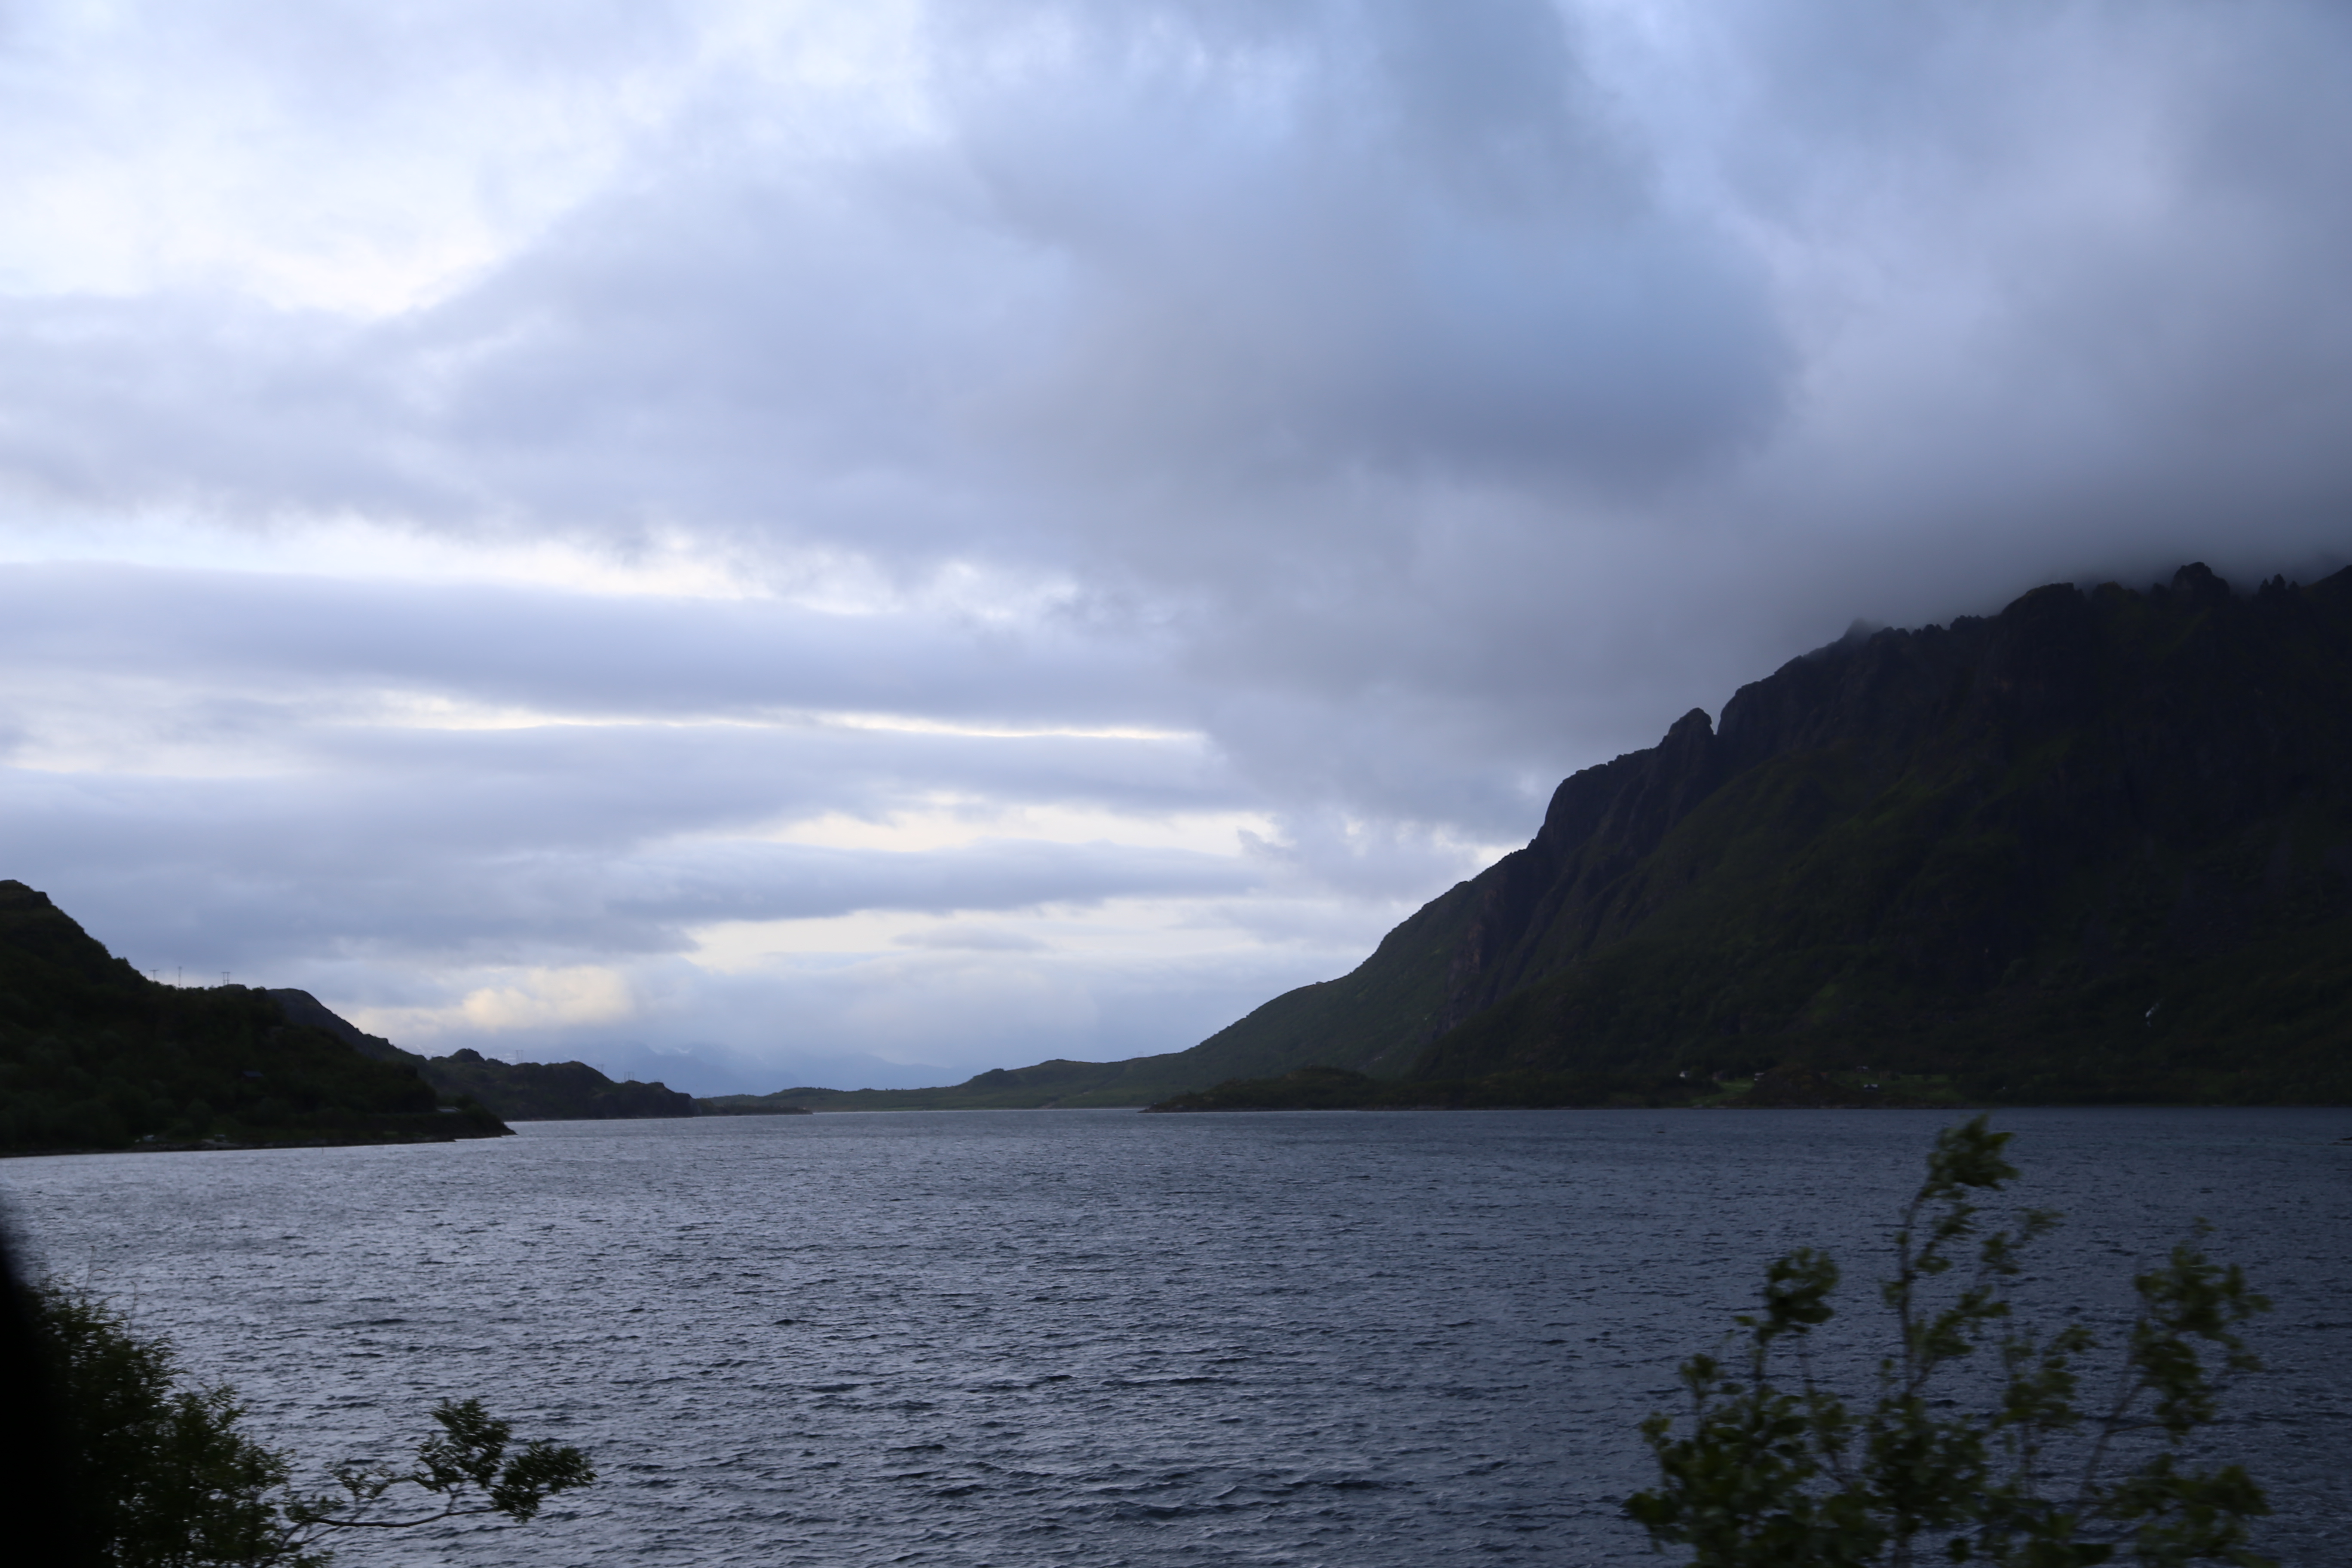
x=1098 y=1338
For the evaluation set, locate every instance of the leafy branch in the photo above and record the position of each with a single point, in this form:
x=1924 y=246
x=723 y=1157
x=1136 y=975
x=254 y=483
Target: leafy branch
x=465 y=1467
x=1762 y=1476
x=164 y=1475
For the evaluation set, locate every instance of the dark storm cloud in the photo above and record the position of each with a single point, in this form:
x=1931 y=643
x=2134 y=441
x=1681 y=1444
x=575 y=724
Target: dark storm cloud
x=1252 y=316
x=1320 y=238
x=1162 y=241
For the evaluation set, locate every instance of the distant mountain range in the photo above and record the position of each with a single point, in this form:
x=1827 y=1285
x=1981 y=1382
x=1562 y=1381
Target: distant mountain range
x=2096 y=848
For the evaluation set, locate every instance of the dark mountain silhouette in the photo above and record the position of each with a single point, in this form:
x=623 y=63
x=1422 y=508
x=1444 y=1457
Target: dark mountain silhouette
x=2096 y=848
x=93 y=1055
x=516 y=1092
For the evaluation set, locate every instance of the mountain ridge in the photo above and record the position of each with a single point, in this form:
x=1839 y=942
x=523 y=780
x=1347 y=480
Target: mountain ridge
x=2085 y=848
x=2096 y=846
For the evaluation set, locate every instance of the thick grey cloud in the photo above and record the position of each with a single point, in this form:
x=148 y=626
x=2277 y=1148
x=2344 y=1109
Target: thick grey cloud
x=1158 y=246
x=1331 y=238
x=1326 y=421
x=568 y=655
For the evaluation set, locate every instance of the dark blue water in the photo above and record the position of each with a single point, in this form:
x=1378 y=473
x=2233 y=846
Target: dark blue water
x=1098 y=1338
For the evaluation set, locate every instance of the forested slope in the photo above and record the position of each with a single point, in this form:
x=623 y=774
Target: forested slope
x=93 y=1055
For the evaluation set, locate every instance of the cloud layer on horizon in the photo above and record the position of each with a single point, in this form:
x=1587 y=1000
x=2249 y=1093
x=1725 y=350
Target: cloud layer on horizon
x=904 y=538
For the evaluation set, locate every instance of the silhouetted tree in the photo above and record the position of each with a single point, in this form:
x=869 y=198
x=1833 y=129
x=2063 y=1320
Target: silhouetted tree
x=161 y=1474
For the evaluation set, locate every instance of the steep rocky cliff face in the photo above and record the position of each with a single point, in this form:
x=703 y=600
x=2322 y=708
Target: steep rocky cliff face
x=2099 y=846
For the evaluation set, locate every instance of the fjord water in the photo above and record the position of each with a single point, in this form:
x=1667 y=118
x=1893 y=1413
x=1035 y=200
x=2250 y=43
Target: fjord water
x=1099 y=1338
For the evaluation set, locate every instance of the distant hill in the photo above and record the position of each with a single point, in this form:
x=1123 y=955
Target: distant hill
x=1048 y=1084
x=93 y=1055
x=552 y=1091
x=1285 y=1033
x=2096 y=848
x=516 y=1092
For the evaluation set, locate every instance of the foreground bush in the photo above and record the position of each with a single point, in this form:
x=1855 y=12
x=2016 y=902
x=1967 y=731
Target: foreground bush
x=2038 y=1473
x=161 y=1473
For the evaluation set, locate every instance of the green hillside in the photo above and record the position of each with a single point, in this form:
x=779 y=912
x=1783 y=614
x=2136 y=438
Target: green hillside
x=93 y=1055
x=2097 y=848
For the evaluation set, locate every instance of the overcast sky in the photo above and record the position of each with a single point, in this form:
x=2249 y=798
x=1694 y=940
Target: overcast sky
x=856 y=542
